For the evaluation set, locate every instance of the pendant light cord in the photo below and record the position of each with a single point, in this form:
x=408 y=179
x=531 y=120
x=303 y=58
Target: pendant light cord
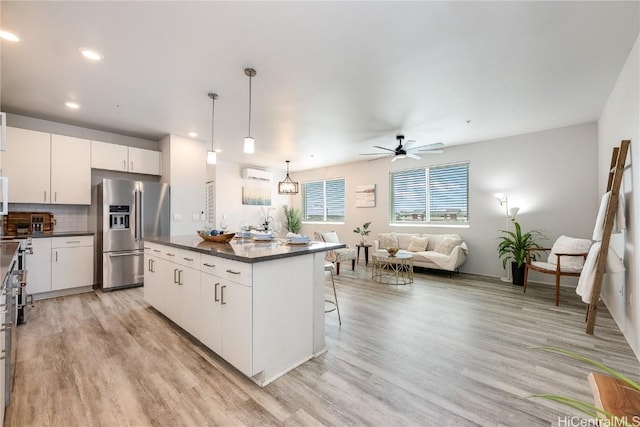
x=213 y=97
x=250 y=78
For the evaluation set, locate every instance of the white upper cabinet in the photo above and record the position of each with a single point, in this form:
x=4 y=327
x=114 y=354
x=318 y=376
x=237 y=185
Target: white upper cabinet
x=70 y=170
x=46 y=168
x=27 y=164
x=125 y=159
x=144 y=161
x=108 y=156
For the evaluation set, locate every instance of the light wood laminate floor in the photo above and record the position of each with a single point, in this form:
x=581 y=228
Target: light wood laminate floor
x=443 y=351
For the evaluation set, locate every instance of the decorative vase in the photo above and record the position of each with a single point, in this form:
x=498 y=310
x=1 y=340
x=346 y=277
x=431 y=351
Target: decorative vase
x=363 y=240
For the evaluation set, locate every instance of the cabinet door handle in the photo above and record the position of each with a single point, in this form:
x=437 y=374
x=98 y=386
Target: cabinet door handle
x=45 y=195
x=124 y=165
x=168 y=254
x=216 y=292
x=175 y=275
x=131 y=166
x=74 y=241
x=208 y=265
x=233 y=272
x=55 y=196
x=180 y=282
x=187 y=259
x=56 y=252
x=222 y=294
x=151 y=266
x=157 y=250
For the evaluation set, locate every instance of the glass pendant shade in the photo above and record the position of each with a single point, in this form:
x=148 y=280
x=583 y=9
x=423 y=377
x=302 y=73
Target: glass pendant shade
x=212 y=157
x=249 y=145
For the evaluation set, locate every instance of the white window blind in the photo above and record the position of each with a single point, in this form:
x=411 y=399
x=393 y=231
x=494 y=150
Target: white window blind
x=323 y=201
x=439 y=194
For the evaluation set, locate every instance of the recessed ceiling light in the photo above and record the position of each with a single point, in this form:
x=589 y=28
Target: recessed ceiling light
x=91 y=54
x=72 y=105
x=192 y=134
x=6 y=35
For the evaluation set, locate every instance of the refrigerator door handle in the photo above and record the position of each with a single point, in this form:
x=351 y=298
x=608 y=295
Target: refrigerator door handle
x=139 y=216
x=5 y=195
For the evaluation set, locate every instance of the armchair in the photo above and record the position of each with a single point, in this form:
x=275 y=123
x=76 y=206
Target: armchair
x=336 y=256
x=566 y=258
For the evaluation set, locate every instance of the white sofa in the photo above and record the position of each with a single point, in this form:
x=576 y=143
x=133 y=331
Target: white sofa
x=443 y=251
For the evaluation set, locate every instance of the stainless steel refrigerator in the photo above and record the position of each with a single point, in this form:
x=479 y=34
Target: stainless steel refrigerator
x=126 y=213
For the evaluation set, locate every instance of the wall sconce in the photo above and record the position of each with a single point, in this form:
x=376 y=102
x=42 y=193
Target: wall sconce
x=288 y=186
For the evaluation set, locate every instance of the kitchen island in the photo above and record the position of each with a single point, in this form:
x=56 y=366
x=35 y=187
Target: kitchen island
x=258 y=305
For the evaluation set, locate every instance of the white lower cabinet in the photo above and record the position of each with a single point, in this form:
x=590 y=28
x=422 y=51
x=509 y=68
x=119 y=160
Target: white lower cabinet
x=60 y=263
x=211 y=326
x=153 y=277
x=71 y=262
x=39 y=266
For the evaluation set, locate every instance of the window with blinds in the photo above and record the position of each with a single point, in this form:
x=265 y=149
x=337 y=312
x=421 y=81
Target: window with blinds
x=323 y=201
x=434 y=195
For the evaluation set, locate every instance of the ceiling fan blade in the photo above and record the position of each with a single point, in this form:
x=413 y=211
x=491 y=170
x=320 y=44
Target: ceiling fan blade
x=432 y=152
x=409 y=143
x=375 y=154
x=394 y=158
x=384 y=148
x=413 y=156
x=433 y=146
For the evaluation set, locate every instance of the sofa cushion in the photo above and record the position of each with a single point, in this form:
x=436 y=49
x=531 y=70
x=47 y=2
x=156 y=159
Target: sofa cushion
x=447 y=244
x=435 y=239
x=404 y=239
x=569 y=245
x=418 y=244
x=330 y=237
x=387 y=240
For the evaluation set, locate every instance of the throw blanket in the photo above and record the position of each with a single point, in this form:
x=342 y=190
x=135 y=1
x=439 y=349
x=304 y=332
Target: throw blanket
x=619 y=222
x=588 y=274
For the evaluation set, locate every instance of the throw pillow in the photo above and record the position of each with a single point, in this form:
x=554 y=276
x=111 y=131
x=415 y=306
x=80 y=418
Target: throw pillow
x=447 y=245
x=330 y=237
x=418 y=244
x=387 y=240
x=569 y=245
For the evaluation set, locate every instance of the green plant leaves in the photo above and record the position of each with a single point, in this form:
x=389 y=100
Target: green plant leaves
x=513 y=245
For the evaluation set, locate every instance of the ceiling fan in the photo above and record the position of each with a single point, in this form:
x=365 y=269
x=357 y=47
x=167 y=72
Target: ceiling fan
x=406 y=150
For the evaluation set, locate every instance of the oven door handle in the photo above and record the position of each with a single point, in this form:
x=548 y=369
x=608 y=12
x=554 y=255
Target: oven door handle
x=126 y=254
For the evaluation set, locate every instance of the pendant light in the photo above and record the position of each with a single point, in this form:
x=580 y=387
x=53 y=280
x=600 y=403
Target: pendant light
x=249 y=142
x=212 y=155
x=288 y=186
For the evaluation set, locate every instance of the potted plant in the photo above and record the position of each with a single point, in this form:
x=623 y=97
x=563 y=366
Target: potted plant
x=363 y=232
x=513 y=246
x=294 y=222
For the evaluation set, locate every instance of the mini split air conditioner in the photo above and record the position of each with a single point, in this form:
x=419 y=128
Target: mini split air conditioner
x=248 y=173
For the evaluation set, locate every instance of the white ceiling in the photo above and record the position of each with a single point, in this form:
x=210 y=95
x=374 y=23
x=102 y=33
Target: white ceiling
x=333 y=78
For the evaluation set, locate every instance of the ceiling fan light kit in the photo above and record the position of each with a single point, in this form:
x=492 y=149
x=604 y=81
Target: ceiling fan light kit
x=402 y=151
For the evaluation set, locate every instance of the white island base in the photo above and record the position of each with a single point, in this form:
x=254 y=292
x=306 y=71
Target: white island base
x=265 y=318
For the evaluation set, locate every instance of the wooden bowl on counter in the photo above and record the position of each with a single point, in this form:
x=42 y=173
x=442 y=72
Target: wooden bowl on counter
x=220 y=238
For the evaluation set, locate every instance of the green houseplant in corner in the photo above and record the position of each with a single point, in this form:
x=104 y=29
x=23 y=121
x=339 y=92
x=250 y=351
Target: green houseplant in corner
x=513 y=246
x=294 y=222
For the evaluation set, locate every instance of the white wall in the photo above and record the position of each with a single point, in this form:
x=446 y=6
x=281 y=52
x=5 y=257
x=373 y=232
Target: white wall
x=620 y=119
x=229 y=183
x=550 y=175
x=184 y=169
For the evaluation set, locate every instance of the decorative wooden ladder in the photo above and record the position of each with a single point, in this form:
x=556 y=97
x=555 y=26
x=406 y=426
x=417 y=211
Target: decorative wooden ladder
x=616 y=170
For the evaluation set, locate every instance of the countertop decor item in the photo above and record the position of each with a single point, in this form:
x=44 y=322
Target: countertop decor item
x=220 y=238
x=293 y=219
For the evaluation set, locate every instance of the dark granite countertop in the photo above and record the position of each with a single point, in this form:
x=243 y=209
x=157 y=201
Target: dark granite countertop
x=244 y=250
x=7 y=251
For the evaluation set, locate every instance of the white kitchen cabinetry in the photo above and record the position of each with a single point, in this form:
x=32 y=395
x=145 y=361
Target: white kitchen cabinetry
x=153 y=276
x=71 y=262
x=125 y=159
x=144 y=161
x=39 y=266
x=27 y=164
x=211 y=312
x=46 y=168
x=70 y=170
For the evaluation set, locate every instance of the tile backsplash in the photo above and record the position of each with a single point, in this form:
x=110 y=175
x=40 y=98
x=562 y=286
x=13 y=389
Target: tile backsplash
x=67 y=217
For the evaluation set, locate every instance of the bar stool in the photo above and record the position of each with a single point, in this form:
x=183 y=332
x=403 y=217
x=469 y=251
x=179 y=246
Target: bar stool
x=329 y=267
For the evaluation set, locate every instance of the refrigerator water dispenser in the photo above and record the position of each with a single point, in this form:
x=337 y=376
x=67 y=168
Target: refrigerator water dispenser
x=119 y=217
